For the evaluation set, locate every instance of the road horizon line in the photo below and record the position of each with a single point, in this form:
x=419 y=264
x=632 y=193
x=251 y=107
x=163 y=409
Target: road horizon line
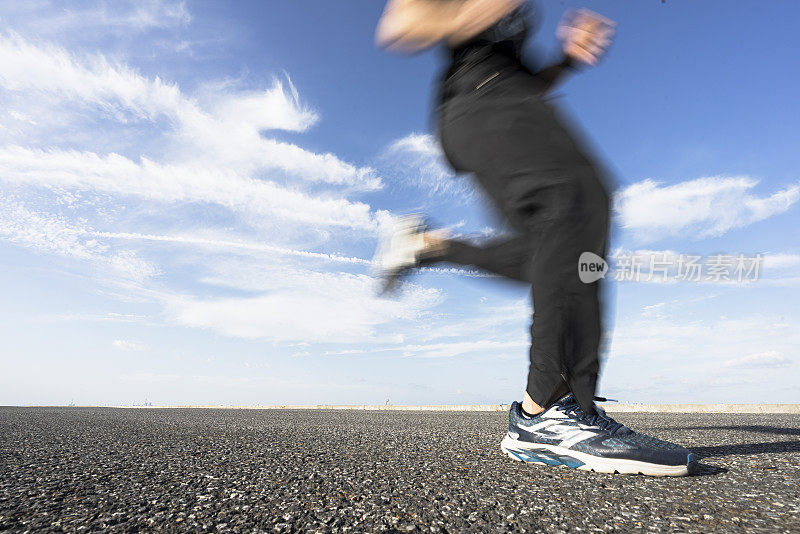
x=609 y=407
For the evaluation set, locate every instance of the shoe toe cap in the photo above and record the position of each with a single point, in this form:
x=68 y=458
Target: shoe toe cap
x=672 y=456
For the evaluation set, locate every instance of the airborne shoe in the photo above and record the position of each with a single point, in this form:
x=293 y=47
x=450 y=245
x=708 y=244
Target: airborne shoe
x=565 y=435
x=399 y=250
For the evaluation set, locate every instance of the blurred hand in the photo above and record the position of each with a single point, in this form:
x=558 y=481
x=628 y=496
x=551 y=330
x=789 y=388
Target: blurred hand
x=585 y=35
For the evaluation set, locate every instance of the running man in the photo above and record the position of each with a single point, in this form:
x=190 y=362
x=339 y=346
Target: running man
x=494 y=121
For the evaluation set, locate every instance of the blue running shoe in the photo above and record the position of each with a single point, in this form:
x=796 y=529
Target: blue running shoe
x=564 y=435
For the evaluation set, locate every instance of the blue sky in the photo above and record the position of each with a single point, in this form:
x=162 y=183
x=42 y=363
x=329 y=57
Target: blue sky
x=191 y=192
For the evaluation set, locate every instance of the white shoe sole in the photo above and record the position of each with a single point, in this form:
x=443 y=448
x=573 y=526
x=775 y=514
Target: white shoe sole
x=522 y=451
x=397 y=252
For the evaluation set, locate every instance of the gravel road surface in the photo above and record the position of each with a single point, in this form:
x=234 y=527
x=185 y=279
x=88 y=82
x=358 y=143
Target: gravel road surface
x=89 y=469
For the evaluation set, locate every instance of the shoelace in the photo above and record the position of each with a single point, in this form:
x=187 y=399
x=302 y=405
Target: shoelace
x=571 y=407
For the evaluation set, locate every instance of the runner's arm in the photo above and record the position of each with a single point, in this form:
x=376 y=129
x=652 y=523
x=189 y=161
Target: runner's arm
x=585 y=37
x=555 y=73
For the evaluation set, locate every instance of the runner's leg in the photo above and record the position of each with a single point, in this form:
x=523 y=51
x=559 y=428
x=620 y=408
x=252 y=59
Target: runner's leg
x=551 y=194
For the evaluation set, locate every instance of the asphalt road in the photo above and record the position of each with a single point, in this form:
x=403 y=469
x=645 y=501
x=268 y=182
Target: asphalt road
x=87 y=469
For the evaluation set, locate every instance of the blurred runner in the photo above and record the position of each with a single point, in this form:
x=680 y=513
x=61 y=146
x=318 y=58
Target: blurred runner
x=495 y=121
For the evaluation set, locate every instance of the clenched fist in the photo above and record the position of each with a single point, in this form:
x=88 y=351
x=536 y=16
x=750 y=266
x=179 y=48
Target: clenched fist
x=585 y=35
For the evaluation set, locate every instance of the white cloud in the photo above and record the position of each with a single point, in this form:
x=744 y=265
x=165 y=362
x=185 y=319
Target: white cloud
x=419 y=161
x=761 y=359
x=214 y=153
x=493 y=322
x=215 y=243
x=704 y=207
x=230 y=244
x=309 y=307
x=152 y=181
x=128 y=346
x=709 y=342
x=55 y=235
x=653 y=310
x=458 y=348
x=118 y=17
x=99 y=317
x=293 y=304
x=416 y=143
x=448 y=350
x=228 y=135
x=51 y=69
x=503 y=331
x=781 y=261
x=677 y=356
x=278 y=108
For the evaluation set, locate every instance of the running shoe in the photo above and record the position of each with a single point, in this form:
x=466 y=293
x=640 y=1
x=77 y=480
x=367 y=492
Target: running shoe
x=398 y=250
x=564 y=435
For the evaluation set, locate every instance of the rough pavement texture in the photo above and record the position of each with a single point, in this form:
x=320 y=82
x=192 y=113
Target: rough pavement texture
x=86 y=469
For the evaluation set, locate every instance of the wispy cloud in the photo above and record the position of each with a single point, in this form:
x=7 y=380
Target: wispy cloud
x=704 y=207
x=761 y=359
x=679 y=352
x=419 y=161
x=105 y=317
x=118 y=17
x=780 y=261
x=94 y=81
x=230 y=244
x=227 y=135
x=272 y=201
x=55 y=235
x=707 y=343
x=311 y=307
x=128 y=346
x=148 y=180
x=448 y=350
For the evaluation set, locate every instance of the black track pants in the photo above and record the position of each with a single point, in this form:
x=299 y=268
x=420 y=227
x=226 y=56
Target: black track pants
x=530 y=165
